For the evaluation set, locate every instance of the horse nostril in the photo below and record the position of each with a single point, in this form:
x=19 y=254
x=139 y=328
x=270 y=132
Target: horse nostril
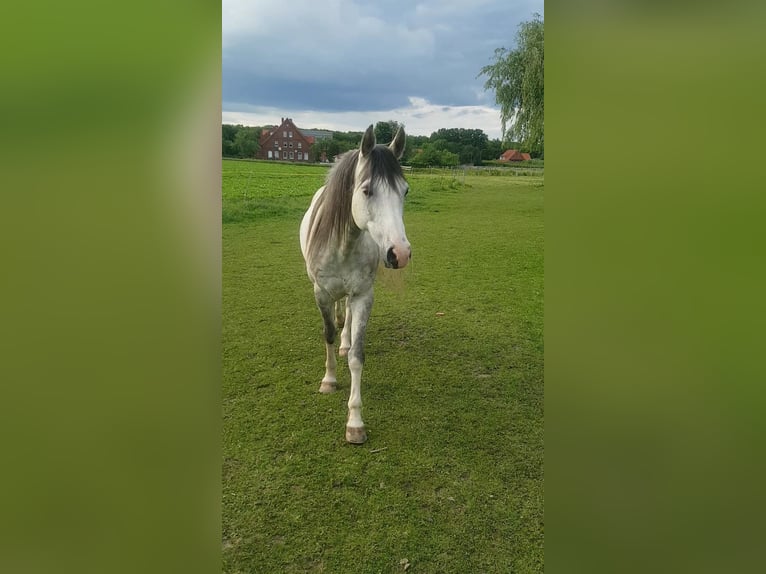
x=391 y=258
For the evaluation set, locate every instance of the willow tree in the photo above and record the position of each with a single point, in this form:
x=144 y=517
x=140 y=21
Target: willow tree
x=517 y=79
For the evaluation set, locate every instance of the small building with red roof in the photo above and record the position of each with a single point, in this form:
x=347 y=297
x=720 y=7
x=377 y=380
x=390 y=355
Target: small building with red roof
x=514 y=155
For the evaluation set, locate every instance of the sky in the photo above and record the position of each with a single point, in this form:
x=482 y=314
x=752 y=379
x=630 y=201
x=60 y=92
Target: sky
x=345 y=64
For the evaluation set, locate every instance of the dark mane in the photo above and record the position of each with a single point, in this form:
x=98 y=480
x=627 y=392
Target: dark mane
x=332 y=212
x=331 y=218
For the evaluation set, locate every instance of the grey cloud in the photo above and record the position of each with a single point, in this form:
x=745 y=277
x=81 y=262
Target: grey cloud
x=364 y=55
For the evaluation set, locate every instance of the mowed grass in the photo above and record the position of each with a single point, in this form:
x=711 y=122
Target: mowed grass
x=451 y=478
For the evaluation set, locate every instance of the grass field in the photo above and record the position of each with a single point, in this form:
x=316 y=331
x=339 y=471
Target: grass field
x=451 y=478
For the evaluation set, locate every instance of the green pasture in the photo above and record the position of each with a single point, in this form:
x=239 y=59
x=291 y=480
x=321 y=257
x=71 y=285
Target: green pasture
x=451 y=477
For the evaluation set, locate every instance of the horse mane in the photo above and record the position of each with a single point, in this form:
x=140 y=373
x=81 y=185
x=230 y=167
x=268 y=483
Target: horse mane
x=331 y=219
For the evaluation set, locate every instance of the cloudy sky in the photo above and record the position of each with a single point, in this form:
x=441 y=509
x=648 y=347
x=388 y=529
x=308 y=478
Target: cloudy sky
x=344 y=64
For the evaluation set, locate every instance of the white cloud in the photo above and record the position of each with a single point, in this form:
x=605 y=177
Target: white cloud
x=420 y=117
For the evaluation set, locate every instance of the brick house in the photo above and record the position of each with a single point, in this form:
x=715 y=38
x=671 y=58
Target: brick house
x=514 y=155
x=285 y=143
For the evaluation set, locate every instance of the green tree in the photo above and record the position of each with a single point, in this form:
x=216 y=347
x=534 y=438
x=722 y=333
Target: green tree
x=447 y=158
x=468 y=144
x=469 y=155
x=350 y=139
x=414 y=143
x=493 y=150
x=327 y=145
x=246 y=142
x=228 y=132
x=517 y=78
x=433 y=155
x=333 y=146
x=385 y=131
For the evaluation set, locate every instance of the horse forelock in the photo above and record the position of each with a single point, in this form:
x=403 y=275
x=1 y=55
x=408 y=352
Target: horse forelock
x=384 y=166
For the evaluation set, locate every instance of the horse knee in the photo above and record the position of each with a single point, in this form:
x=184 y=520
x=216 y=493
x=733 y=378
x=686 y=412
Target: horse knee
x=329 y=333
x=355 y=359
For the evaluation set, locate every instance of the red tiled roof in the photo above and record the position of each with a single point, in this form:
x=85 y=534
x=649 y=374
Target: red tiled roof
x=511 y=155
x=514 y=155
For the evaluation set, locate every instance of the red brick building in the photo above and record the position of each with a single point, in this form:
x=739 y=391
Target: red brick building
x=514 y=155
x=285 y=143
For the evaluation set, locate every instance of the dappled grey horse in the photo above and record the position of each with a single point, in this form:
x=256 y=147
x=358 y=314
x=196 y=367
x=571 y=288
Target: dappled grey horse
x=354 y=223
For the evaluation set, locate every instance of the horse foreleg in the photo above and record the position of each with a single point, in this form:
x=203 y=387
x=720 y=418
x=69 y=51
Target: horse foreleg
x=360 y=307
x=325 y=304
x=345 y=335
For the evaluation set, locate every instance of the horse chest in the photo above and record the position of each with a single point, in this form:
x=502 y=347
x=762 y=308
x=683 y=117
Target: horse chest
x=342 y=276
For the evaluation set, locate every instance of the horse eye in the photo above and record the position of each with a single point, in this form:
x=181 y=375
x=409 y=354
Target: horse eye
x=367 y=190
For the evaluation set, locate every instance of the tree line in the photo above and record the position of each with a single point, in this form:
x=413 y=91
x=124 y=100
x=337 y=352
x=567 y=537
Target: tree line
x=444 y=147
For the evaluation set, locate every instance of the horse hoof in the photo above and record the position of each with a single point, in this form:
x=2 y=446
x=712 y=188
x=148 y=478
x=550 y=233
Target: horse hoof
x=343 y=351
x=328 y=387
x=356 y=435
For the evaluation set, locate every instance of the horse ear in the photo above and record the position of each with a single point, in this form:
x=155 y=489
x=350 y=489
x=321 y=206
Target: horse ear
x=397 y=146
x=368 y=141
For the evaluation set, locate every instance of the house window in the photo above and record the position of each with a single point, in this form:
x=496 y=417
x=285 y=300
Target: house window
x=269 y=154
x=292 y=156
x=276 y=143
x=284 y=134
x=306 y=156
x=291 y=134
x=284 y=155
x=300 y=145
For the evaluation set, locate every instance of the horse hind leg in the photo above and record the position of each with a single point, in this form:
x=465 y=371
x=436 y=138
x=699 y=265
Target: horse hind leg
x=329 y=381
x=343 y=320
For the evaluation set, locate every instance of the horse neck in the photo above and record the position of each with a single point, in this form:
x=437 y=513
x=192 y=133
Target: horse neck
x=350 y=236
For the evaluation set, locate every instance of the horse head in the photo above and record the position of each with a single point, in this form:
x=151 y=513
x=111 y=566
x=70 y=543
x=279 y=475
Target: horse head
x=377 y=203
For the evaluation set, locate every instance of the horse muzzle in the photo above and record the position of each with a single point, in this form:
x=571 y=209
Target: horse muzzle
x=398 y=256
